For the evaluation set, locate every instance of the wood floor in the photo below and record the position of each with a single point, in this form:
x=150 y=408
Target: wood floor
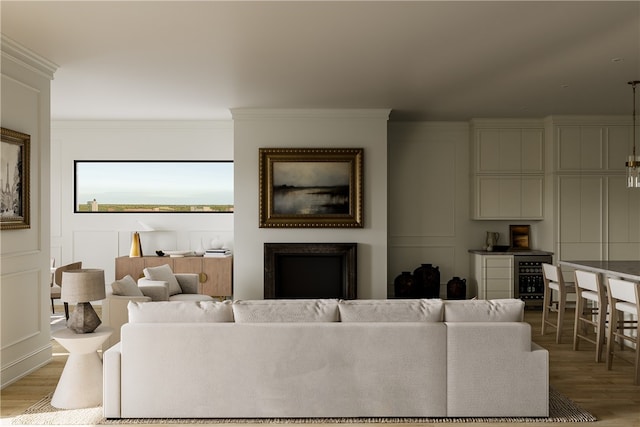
x=609 y=395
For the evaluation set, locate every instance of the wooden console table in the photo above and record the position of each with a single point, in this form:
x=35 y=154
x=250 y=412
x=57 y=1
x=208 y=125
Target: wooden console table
x=216 y=274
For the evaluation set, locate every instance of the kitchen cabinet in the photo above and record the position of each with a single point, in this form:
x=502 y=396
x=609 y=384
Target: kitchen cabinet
x=215 y=273
x=597 y=213
x=493 y=275
x=507 y=169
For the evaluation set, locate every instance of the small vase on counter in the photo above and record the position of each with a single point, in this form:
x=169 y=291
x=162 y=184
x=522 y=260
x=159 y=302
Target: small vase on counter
x=404 y=285
x=427 y=278
x=457 y=288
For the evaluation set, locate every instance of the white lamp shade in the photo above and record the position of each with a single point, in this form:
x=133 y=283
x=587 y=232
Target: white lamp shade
x=83 y=285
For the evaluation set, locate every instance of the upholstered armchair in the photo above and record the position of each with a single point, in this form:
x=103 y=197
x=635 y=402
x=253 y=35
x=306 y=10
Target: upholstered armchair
x=159 y=284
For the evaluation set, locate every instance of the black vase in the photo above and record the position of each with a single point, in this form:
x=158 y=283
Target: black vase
x=427 y=278
x=404 y=285
x=457 y=288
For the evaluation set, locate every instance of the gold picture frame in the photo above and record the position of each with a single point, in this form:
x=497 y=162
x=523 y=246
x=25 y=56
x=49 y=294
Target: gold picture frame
x=311 y=187
x=520 y=237
x=14 y=178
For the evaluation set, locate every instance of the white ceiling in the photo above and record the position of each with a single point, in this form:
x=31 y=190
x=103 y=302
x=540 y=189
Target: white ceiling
x=425 y=60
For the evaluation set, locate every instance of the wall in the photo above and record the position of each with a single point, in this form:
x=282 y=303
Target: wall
x=429 y=202
x=97 y=239
x=24 y=269
x=256 y=128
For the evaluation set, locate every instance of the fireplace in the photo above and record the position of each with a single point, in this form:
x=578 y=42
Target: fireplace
x=310 y=270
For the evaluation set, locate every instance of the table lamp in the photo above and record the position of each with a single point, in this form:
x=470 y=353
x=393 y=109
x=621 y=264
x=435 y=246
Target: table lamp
x=79 y=287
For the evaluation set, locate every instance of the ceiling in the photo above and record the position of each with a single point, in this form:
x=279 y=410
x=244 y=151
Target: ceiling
x=425 y=60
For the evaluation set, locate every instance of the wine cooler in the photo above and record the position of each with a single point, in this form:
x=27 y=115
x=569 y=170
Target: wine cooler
x=528 y=279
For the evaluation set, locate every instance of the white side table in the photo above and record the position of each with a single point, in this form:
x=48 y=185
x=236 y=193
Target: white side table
x=80 y=385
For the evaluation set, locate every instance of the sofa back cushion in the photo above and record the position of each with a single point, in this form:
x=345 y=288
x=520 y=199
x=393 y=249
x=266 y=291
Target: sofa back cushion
x=126 y=287
x=165 y=274
x=391 y=310
x=498 y=310
x=284 y=310
x=180 y=311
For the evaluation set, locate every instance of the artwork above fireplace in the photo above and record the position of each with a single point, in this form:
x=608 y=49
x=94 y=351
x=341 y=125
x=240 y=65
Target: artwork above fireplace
x=310 y=270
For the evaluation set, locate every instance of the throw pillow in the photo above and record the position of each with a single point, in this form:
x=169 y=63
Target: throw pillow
x=164 y=273
x=126 y=287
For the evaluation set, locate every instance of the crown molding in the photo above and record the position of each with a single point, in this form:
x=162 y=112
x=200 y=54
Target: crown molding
x=309 y=113
x=13 y=51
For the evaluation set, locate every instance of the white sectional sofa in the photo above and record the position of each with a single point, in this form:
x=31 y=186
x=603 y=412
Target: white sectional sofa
x=325 y=358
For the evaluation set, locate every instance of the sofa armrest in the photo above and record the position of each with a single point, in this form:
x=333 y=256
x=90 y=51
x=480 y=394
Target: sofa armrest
x=158 y=290
x=111 y=375
x=188 y=282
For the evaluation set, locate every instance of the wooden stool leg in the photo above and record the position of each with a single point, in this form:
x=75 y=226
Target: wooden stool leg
x=545 y=310
x=577 y=322
x=600 y=333
x=561 y=304
x=613 y=326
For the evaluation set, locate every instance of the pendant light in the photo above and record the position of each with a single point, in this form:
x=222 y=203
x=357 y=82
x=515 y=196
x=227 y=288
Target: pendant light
x=633 y=165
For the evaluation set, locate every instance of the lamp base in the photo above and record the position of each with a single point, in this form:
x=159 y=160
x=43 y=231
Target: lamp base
x=84 y=319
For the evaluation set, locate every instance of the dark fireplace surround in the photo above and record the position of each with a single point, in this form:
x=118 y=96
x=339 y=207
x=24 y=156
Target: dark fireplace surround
x=310 y=270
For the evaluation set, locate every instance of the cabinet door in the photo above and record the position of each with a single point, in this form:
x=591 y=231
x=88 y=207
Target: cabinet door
x=498 y=274
x=509 y=151
x=509 y=197
x=155 y=261
x=218 y=276
x=129 y=266
x=188 y=265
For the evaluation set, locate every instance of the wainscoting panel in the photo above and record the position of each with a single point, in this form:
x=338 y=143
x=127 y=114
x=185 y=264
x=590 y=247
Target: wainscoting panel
x=422 y=187
x=20 y=294
x=96 y=249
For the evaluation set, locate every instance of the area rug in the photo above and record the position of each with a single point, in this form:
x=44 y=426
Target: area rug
x=561 y=410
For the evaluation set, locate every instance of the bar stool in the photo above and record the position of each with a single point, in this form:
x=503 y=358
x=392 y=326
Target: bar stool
x=590 y=288
x=553 y=281
x=624 y=297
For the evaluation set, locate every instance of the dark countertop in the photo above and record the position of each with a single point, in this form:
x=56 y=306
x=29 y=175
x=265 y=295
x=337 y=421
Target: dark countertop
x=508 y=252
x=629 y=270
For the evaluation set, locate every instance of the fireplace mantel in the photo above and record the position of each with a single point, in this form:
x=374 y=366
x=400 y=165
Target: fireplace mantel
x=310 y=270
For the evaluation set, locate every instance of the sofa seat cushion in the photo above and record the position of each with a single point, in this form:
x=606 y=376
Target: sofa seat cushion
x=165 y=274
x=180 y=311
x=190 y=297
x=498 y=310
x=126 y=287
x=392 y=310
x=284 y=310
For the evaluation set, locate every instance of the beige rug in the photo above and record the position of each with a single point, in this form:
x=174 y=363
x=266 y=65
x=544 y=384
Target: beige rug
x=561 y=410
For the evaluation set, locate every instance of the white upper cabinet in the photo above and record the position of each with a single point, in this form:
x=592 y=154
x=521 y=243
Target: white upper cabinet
x=509 y=150
x=507 y=169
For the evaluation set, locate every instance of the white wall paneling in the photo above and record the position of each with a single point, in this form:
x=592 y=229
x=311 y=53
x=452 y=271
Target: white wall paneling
x=25 y=344
x=429 y=200
x=97 y=239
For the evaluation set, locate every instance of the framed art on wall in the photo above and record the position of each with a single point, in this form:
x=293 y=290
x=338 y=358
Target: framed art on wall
x=14 y=179
x=519 y=237
x=310 y=187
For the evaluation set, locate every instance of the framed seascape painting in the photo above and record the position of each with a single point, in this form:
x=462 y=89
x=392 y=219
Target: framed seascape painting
x=311 y=187
x=14 y=211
